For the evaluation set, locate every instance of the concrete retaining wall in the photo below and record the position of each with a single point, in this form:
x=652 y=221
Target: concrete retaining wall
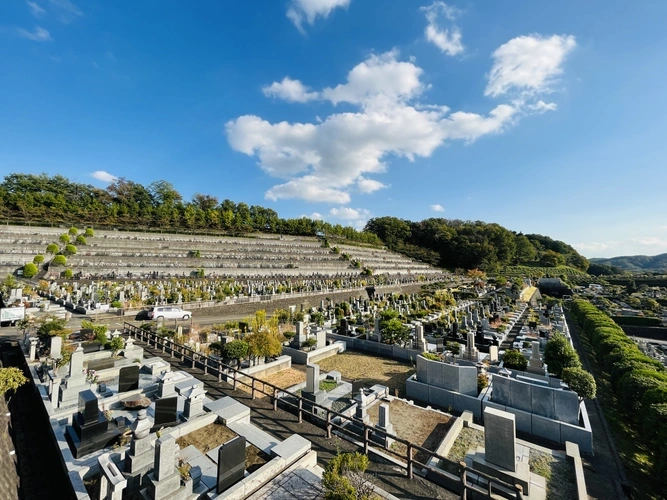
x=308 y=357
x=386 y=350
x=442 y=398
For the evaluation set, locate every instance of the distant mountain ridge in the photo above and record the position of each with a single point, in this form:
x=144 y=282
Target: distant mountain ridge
x=636 y=263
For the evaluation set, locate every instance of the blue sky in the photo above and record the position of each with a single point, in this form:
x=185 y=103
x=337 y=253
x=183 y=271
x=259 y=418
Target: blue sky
x=545 y=117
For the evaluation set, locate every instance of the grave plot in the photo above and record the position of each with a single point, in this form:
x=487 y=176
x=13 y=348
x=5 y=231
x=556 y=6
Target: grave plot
x=283 y=379
x=422 y=427
x=354 y=365
x=213 y=435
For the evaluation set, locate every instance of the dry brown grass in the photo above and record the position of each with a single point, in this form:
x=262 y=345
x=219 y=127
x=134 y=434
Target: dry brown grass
x=419 y=426
x=283 y=379
x=354 y=365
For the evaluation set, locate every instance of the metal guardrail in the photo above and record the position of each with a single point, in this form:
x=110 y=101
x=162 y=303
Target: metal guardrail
x=323 y=416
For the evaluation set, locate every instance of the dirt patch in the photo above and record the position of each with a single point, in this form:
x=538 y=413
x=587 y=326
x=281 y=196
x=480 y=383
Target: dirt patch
x=283 y=379
x=421 y=427
x=355 y=365
x=213 y=435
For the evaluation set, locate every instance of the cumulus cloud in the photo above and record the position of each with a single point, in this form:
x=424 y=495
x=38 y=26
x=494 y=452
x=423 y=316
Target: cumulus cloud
x=308 y=11
x=316 y=216
x=289 y=90
x=326 y=160
x=437 y=208
x=594 y=246
x=447 y=40
x=35 y=9
x=347 y=213
x=38 y=34
x=528 y=64
x=104 y=176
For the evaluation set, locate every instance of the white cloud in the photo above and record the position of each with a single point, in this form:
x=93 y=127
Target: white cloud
x=37 y=35
x=543 y=107
x=325 y=160
x=347 y=213
x=35 y=9
x=69 y=10
x=309 y=10
x=316 y=216
x=289 y=90
x=437 y=208
x=104 y=176
x=651 y=241
x=528 y=64
x=663 y=228
x=369 y=185
x=447 y=40
x=594 y=246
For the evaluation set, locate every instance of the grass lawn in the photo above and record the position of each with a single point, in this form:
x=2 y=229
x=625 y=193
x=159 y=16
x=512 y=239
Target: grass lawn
x=355 y=365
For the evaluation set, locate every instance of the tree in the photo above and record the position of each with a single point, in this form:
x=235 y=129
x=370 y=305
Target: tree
x=64 y=238
x=559 y=354
x=395 y=331
x=581 y=382
x=38 y=259
x=73 y=231
x=235 y=350
x=52 y=249
x=525 y=251
x=29 y=270
x=67 y=273
x=514 y=360
x=264 y=344
x=116 y=344
x=11 y=378
x=59 y=260
x=81 y=240
x=70 y=250
x=344 y=478
x=89 y=233
x=552 y=259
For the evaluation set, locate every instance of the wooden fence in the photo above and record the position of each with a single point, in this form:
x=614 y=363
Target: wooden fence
x=329 y=420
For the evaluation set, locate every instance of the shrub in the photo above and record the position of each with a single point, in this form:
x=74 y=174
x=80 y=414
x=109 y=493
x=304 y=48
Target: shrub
x=64 y=238
x=289 y=335
x=309 y=343
x=431 y=356
x=59 y=260
x=73 y=231
x=11 y=378
x=514 y=360
x=482 y=382
x=559 y=354
x=52 y=249
x=67 y=273
x=70 y=250
x=580 y=381
x=116 y=303
x=81 y=240
x=38 y=259
x=116 y=344
x=455 y=347
x=89 y=233
x=236 y=350
x=29 y=270
x=344 y=478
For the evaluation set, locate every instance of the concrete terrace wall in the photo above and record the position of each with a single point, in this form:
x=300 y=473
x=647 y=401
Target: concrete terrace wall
x=309 y=357
x=386 y=350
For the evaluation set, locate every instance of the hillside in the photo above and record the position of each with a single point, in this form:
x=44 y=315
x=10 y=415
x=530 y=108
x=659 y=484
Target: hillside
x=636 y=263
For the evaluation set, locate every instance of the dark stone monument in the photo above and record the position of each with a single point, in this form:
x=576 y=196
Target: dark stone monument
x=101 y=364
x=231 y=463
x=166 y=413
x=439 y=345
x=357 y=385
x=128 y=378
x=90 y=347
x=479 y=334
x=370 y=290
x=90 y=430
x=342 y=326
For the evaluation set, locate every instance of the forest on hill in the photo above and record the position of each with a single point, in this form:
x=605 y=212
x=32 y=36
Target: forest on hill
x=636 y=263
x=53 y=200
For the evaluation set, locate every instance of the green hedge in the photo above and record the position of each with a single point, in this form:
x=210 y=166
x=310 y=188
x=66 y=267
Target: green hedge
x=638 y=381
x=636 y=321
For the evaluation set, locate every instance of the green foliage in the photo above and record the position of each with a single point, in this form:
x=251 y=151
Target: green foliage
x=29 y=270
x=67 y=273
x=482 y=382
x=454 y=347
x=100 y=334
x=73 y=231
x=52 y=249
x=116 y=344
x=580 y=381
x=289 y=335
x=394 y=332
x=559 y=354
x=116 y=303
x=309 y=343
x=11 y=378
x=236 y=350
x=38 y=259
x=81 y=240
x=70 y=250
x=514 y=360
x=343 y=478
x=64 y=238
x=318 y=318
x=637 y=321
x=59 y=260
x=89 y=233
x=430 y=356
x=216 y=348
x=49 y=328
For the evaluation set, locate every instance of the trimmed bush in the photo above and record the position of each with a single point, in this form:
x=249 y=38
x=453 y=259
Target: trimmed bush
x=89 y=233
x=68 y=273
x=52 y=249
x=38 y=259
x=559 y=354
x=514 y=360
x=73 y=231
x=81 y=240
x=29 y=270
x=70 y=250
x=59 y=260
x=64 y=238
x=116 y=303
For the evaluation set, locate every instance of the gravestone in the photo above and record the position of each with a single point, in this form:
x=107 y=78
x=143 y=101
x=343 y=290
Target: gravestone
x=69 y=392
x=357 y=385
x=493 y=354
x=56 y=347
x=231 y=463
x=300 y=336
x=33 y=348
x=166 y=413
x=90 y=430
x=128 y=378
x=165 y=481
x=500 y=438
x=166 y=385
x=342 y=326
x=321 y=336
x=471 y=353
x=312 y=390
x=535 y=362
x=194 y=402
x=385 y=425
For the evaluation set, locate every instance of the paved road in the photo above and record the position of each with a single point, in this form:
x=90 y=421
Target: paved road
x=282 y=424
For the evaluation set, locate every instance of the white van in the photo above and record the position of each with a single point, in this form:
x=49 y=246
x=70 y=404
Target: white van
x=168 y=312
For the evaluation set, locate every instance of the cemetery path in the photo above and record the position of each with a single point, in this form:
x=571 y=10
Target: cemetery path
x=604 y=472
x=282 y=424
x=516 y=329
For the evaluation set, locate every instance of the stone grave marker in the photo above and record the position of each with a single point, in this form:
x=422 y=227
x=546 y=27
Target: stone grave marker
x=231 y=463
x=128 y=378
x=166 y=412
x=500 y=438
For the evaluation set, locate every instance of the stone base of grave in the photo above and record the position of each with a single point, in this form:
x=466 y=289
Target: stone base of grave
x=168 y=488
x=173 y=423
x=381 y=438
x=536 y=368
x=139 y=461
x=522 y=476
x=93 y=438
x=70 y=394
x=316 y=397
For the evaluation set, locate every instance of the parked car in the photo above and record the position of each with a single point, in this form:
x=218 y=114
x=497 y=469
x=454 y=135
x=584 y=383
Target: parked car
x=168 y=312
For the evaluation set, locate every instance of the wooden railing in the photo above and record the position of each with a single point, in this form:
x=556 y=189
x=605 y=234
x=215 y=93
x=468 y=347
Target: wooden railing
x=327 y=418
